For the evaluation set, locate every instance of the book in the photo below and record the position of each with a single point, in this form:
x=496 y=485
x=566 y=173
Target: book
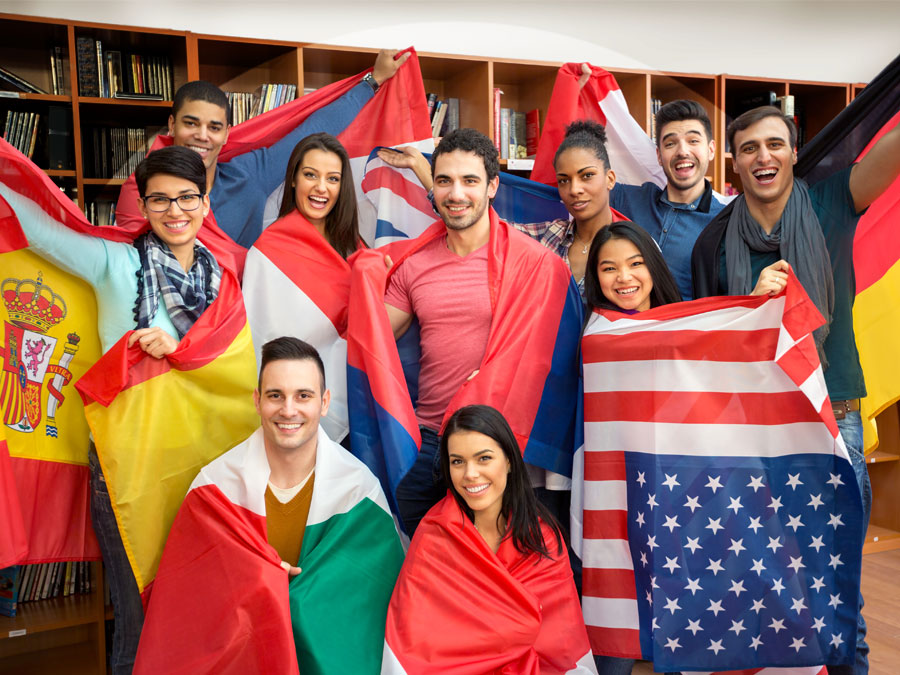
x=504 y=133
x=431 y=100
x=497 y=94
x=452 y=115
x=87 y=67
x=101 y=78
x=9 y=589
x=440 y=112
x=786 y=103
x=518 y=122
x=62 y=72
x=10 y=78
x=532 y=132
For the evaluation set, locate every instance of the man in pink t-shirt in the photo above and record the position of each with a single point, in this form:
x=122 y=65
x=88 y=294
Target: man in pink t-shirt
x=445 y=285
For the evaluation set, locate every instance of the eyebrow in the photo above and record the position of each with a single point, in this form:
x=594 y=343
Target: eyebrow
x=275 y=390
x=477 y=454
x=186 y=191
x=194 y=118
x=631 y=257
x=312 y=168
x=695 y=132
x=468 y=175
x=584 y=168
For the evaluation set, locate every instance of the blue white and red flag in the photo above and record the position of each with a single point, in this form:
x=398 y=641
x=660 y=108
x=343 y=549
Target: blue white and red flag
x=721 y=519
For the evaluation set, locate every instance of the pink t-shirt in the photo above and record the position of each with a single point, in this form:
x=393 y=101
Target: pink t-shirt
x=449 y=296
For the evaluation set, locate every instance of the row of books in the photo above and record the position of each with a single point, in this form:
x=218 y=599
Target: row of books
x=245 y=105
x=444 y=115
x=516 y=134
x=27 y=583
x=59 y=72
x=655 y=105
x=101 y=212
x=116 y=151
x=785 y=103
x=114 y=74
x=21 y=131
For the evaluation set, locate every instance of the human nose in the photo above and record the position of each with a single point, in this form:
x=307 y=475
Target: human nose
x=763 y=154
x=624 y=273
x=456 y=191
x=202 y=132
x=471 y=472
x=173 y=203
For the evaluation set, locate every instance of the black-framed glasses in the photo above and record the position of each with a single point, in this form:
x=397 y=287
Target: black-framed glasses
x=161 y=203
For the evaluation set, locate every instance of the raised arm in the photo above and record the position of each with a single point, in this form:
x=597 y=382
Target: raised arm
x=876 y=171
x=409 y=157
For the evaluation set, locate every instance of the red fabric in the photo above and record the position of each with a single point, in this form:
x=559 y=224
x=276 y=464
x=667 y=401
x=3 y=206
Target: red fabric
x=212 y=538
x=458 y=608
x=54 y=503
x=294 y=246
x=568 y=103
x=524 y=326
x=13 y=540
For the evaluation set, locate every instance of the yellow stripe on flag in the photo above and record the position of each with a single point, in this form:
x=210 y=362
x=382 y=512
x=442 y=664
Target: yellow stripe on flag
x=876 y=321
x=155 y=437
x=49 y=340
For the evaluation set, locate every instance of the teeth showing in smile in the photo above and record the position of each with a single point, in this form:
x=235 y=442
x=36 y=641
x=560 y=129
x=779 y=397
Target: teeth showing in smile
x=476 y=489
x=180 y=225
x=627 y=291
x=288 y=427
x=764 y=175
x=198 y=149
x=318 y=200
x=684 y=165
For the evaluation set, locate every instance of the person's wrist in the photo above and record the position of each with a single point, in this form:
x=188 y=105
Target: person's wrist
x=369 y=79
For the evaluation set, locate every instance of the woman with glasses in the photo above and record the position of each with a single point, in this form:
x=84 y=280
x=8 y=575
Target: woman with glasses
x=157 y=286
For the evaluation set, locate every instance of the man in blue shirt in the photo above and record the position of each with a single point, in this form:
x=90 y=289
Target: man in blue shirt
x=675 y=216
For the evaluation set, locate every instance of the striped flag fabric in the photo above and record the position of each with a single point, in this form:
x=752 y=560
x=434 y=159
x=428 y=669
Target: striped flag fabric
x=876 y=246
x=13 y=540
x=529 y=370
x=294 y=282
x=631 y=152
x=219 y=575
x=721 y=521
x=150 y=419
x=524 y=617
x=49 y=340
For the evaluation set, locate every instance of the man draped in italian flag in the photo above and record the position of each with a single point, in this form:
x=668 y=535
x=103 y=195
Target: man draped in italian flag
x=287 y=503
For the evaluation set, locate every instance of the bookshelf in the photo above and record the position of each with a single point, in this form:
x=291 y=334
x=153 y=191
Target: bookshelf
x=884 y=472
x=58 y=635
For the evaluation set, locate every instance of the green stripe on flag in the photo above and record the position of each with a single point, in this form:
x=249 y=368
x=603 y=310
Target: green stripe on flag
x=339 y=601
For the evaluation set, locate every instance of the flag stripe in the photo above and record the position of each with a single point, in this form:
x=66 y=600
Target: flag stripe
x=711 y=376
x=728 y=346
x=610 y=583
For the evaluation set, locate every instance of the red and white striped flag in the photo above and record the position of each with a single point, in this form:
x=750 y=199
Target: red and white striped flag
x=720 y=516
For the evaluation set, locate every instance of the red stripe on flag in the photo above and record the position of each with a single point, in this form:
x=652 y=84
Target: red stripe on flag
x=694 y=345
x=385 y=177
x=54 y=499
x=604 y=583
x=13 y=540
x=699 y=407
x=800 y=361
x=606 y=525
x=604 y=465
x=624 y=642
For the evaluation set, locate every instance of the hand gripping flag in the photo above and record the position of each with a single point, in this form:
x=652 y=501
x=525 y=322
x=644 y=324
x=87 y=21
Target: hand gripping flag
x=631 y=152
x=876 y=246
x=221 y=602
x=524 y=617
x=295 y=283
x=721 y=517
x=156 y=422
x=49 y=339
x=529 y=371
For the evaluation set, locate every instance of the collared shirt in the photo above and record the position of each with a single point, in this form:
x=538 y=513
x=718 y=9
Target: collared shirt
x=558 y=236
x=674 y=226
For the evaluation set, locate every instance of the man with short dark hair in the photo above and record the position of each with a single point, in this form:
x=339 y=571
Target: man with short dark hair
x=287 y=496
x=446 y=284
x=238 y=189
x=780 y=224
x=676 y=215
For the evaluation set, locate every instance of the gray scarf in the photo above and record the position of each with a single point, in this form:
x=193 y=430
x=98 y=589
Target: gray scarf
x=799 y=239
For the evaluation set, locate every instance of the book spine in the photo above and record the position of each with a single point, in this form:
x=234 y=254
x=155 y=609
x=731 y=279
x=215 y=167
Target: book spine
x=504 y=133
x=532 y=131
x=87 y=75
x=497 y=143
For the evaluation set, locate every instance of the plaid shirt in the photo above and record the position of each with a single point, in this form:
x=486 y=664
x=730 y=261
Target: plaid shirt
x=558 y=236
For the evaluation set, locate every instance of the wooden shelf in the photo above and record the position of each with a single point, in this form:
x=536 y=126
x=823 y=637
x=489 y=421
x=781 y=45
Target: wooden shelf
x=104 y=181
x=60 y=173
x=880 y=539
x=94 y=100
x=72 y=659
x=880 y=456
x=44 y=615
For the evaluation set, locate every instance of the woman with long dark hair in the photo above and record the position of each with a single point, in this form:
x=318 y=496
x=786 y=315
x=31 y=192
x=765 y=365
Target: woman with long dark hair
x=486 y=585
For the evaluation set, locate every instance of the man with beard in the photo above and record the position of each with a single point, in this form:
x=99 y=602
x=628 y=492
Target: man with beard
x=676 y=215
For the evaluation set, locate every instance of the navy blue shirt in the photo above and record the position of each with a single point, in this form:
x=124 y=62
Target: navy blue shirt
x=675 y=227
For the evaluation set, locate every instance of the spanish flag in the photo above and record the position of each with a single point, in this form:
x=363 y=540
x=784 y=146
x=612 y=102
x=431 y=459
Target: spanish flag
x=49 y=340
x=876 y=247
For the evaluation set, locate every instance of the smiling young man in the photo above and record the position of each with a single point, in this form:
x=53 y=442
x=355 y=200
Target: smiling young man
x=239 y=188
x=445 y=285
x=676 y=215
x=779 y=218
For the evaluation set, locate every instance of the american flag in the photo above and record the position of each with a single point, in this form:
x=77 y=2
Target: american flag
x=721 y=517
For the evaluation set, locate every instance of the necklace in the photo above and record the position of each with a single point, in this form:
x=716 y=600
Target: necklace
x=584 y=245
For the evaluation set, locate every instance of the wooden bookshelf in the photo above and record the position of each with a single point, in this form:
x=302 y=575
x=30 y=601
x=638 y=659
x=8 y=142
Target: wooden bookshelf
x=58 y=635
x=884 y=472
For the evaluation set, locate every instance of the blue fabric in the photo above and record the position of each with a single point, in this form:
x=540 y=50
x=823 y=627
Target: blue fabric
x=520 y=200
x=675 y=227
x=423 y=485
x=244 y=183
x=128 y=612
x=852 y=433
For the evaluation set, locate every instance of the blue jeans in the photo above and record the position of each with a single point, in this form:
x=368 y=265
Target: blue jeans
x=851 y=432
x=128 y=612
x=423 y=485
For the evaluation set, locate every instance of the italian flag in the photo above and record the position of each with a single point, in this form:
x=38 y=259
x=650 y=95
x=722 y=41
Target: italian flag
x=221 y=603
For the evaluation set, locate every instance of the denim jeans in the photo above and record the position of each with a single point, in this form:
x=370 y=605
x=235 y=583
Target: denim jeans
x=423 y=485
x=851 y=432
x=128 y=612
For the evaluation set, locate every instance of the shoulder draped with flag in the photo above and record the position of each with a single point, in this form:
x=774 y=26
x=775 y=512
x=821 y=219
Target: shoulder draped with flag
x=221 y=602
x=459 y=608
x=294 y=282
x=529 y=371
x=721 y=521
